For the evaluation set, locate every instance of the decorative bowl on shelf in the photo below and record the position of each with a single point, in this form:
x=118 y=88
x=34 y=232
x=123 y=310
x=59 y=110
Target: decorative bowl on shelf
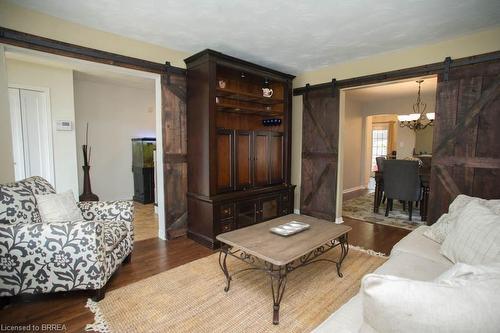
x=222 y=84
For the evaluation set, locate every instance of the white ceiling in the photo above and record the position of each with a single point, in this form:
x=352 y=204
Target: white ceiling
x=293 y=36
x=395 y=90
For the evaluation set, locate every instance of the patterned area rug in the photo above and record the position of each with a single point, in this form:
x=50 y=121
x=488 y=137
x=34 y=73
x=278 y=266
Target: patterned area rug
x=361 y=208
x=190 y=298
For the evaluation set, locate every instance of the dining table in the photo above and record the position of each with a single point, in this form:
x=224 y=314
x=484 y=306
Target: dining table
x=425 y=177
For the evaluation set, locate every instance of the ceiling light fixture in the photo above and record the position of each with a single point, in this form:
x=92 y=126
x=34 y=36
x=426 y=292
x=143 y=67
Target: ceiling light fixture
x=418 y=120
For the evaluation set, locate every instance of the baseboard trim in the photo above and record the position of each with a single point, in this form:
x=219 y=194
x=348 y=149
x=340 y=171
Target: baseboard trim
x=352 y=189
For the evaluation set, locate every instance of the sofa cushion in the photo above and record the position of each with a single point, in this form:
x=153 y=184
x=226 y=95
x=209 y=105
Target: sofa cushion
x=58 y=207
x=475 y=237
x=457 y=304
x=114 y=233
x=417 y=244
x=407 y=265
x=349 y=317
x=18 y=204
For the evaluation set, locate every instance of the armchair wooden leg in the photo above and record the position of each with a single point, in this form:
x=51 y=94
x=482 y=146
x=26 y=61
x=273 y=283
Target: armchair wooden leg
x=404 y=206
x=128 y=259
x=99 y=294
x=4 y=301
x=410 y=209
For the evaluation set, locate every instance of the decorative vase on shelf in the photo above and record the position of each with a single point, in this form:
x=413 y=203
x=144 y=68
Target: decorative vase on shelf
x=87 y=194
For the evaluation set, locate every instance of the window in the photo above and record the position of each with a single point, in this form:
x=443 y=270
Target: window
x=380 y=138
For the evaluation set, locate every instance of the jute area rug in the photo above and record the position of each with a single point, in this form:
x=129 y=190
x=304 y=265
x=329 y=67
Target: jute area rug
x=190 y=298
x=361 y=208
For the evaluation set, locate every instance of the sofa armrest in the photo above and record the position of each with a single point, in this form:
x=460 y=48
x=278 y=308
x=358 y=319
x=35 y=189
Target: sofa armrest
x=51 y=257
x=107 y=210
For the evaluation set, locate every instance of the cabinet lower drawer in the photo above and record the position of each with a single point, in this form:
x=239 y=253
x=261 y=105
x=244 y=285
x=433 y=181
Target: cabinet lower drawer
x=226 y=225
x=226 y=211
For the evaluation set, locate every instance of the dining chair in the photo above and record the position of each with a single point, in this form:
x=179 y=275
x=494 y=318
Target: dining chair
x=380 y=163
x=380 y=167
x=402 y=182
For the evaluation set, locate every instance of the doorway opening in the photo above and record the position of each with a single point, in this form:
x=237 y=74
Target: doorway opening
x=374 y=131
x=117 y=104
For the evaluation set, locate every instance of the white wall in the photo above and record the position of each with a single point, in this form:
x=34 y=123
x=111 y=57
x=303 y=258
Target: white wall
x=59 y=81
x=116 y=112
x=353 y=144
x=423 y=140
x=6 y=157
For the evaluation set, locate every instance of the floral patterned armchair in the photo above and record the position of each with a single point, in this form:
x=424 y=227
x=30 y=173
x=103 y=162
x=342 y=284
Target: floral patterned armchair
x=38 y=257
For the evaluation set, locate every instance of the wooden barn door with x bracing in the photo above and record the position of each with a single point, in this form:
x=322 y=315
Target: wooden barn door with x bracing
x=466 y=152
x=173 y=93
x=320 y=135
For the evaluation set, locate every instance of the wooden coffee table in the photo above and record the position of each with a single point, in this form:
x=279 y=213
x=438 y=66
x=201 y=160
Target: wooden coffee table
x=277 y=255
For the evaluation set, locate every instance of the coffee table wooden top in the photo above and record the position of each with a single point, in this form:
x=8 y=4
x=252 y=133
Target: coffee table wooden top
x=260 y=242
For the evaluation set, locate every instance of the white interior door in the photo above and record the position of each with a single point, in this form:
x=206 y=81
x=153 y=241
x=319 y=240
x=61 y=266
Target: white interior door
x=31 y=134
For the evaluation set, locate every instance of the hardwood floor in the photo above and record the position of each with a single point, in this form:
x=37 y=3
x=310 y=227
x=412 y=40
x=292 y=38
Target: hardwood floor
x=145 y=222
x=380 y=238
x=150 y=257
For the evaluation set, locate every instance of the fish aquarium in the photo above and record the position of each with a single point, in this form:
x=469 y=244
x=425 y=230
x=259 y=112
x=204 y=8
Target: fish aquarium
x=142 y=152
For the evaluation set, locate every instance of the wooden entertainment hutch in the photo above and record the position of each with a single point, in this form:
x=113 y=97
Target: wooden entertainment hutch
x=238 y=167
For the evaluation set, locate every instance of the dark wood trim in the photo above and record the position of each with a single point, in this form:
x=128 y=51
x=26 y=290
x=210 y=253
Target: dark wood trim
x=429 y=69
x=202 y=239
x=239 y=194
x=233 y=60
x=33 y=42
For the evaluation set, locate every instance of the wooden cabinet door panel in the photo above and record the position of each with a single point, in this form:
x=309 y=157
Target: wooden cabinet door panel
x=269 y=208
x=247 y=213
x=243 y=159
x=276 y=158
x=261 y=158
x=225 y=162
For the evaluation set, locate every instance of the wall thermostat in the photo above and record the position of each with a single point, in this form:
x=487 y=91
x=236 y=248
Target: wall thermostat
x=64 y=125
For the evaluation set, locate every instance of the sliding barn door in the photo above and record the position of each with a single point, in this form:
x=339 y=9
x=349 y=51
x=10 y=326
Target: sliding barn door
x=174 y=153
x=466 y=152
x=320 y=128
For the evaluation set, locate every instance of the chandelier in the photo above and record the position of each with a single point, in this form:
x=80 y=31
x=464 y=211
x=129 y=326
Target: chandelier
x=418 y=120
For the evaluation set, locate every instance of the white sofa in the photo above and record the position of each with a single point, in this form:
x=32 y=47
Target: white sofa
x=415 y=257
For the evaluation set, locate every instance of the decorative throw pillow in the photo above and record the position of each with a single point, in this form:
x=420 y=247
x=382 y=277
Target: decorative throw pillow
x=58 y=208
x=18 y=204
x=393 y=304
x=475 y=236
x=439 y=230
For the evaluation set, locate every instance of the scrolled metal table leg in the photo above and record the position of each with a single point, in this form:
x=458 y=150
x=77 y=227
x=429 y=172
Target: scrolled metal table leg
x=344 y=249
x=222 y=263
x=278 y=284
